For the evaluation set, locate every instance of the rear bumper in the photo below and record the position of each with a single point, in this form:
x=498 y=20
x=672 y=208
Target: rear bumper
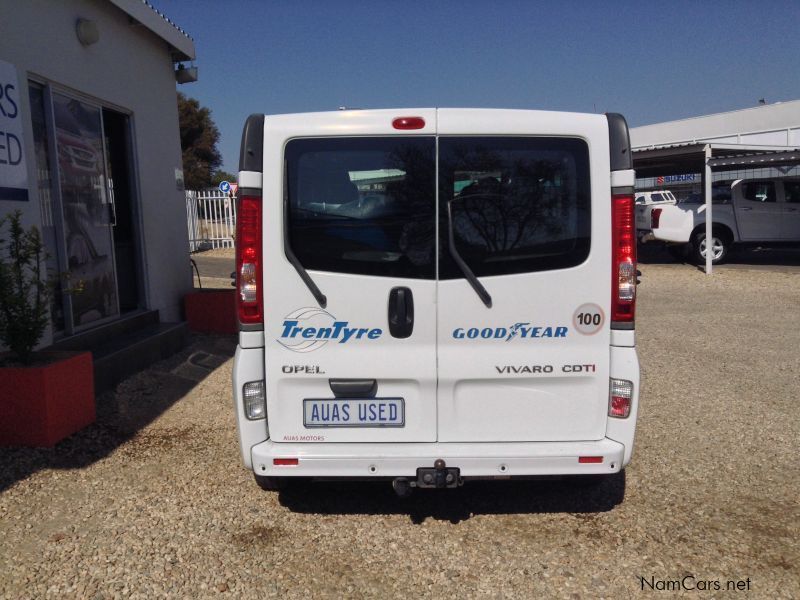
x=477 y=460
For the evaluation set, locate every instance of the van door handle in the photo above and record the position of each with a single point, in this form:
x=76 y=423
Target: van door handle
x=746 y=208
x=401 y=312
x=353 y=388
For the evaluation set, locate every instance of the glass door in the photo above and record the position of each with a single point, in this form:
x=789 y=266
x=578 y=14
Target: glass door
x=87 y=212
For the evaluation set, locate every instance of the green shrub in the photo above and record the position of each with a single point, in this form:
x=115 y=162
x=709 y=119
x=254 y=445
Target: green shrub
x=24 y=294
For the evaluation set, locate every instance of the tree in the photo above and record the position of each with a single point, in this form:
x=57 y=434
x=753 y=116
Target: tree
x=199 y=137
x=220 y=175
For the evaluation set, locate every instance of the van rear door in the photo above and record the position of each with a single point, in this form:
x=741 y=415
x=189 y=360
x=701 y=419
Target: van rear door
x=350 y=210
x=524 y=276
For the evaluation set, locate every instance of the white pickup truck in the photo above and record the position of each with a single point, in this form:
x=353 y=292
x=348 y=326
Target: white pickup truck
x=645 y=201
x=750 y=211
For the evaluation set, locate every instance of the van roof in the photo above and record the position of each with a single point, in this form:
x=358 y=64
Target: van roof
x=405 y=111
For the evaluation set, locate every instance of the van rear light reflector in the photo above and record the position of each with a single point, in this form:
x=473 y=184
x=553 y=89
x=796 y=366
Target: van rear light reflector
x=408 y=123
x=249 y=297
x=623 y=265
x=620 y=396
x=590 y=459
x=285 y=462
x=655 y=217
x=255 y=400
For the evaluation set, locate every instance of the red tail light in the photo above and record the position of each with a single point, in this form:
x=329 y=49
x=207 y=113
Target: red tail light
x=249 y=297
x=620 y=396
x=623 y=256
x=655 y=217
x=285 y=462
x=619 y=407
x=590 y=459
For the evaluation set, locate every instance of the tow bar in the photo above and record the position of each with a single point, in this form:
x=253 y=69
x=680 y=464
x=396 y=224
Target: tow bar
x=440 y=476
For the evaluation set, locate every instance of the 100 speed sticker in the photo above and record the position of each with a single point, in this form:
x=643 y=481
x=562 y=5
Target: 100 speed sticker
x=588 y=319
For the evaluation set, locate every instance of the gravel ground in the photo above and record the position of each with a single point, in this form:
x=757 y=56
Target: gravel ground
x=151 y=501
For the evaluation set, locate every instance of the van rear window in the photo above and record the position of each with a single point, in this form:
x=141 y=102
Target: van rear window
x=363 y=205
x=368 y=205
x=517 y=204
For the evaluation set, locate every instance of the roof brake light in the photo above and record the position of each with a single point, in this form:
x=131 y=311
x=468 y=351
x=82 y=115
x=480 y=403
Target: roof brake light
x=408 y=123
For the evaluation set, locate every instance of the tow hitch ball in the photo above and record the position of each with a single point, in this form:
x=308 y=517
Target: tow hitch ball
x=440 y=476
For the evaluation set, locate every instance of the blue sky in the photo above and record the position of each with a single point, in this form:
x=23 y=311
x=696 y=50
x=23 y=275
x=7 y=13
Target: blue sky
x=651 y=61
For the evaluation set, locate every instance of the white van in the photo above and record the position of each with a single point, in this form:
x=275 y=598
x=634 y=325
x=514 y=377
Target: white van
x=435 y=295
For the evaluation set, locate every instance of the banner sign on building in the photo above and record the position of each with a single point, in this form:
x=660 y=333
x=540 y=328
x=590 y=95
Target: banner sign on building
x=13 y=174
x=674 y=178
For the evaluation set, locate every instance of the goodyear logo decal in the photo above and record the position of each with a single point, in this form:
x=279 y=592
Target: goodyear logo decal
x=515 y=331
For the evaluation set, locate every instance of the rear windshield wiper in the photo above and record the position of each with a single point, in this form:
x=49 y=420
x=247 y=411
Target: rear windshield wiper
x=287 y=248
x=468 y=274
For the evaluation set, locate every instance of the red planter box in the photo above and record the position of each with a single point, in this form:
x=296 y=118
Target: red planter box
x=41 y=405
x=211 y=311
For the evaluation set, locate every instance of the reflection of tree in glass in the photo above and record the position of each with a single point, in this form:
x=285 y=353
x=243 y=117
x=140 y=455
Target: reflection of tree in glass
x=516 y=199
x=413 y=198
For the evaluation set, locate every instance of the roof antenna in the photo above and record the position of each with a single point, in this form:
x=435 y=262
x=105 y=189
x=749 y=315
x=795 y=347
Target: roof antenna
x=762 y=100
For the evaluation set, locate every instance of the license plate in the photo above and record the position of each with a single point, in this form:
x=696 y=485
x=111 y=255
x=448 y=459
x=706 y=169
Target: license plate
x=354 y=412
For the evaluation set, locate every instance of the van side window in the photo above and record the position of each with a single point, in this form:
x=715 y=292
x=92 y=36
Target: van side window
x=363 y=205
x=759 y=191
x=792 y=189
x=518 y=204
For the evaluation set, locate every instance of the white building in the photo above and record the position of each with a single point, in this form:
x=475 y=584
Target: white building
x=763 y=125
x=753 y=142
x=90 y=152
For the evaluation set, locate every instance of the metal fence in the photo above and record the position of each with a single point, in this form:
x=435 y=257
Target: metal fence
x=211 y=219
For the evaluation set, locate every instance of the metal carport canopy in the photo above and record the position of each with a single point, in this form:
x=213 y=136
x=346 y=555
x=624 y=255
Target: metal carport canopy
x=699 y=157
x=690 y=157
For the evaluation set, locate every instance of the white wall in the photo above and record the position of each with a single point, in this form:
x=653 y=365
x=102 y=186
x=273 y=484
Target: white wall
x=130 y=68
